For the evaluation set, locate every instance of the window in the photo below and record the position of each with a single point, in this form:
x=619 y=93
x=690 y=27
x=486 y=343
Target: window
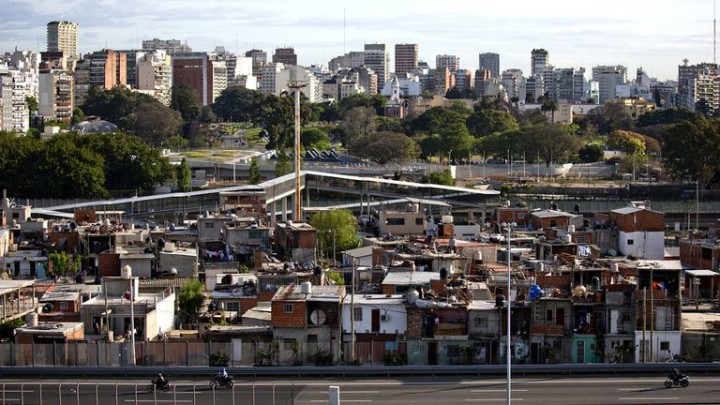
x=255 y=234
x=288 y=344
x=64 y=305
x=581 y=240
x=358 y=313
x=233 y=306
x=630 y=242
x=418 y=221
x=395 y=221
x=288 y=308
x=481 y=322
x=665 y=346
x=549 y=315
x=553 y=223
x=312 y=338
x=391 y=346
x=521 y=215
x=209 y=225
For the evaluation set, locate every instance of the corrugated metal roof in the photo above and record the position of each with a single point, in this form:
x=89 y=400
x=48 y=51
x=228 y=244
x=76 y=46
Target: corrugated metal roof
x=410 y=277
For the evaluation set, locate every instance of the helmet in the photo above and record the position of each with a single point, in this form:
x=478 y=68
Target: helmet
x=223 y=369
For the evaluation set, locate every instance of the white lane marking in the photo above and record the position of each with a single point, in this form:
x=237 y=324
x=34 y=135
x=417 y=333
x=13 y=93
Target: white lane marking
x=353 y=392
x=490 y=399
x=498 y=390
x=158 y=401
x=634 y=389
x=650 y=399
x=344 y=401
x=18 y=391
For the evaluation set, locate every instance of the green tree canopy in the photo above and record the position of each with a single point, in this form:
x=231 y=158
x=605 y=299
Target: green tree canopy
x=435 y=120
x=191 y=298
x=485 y=122
x=610 y=117
x=664 y=117
x=254 y=177
x=115 y=105
x=499 y=143
x=338 y=227
x=387 y=147
x=155 y=123
x=376 y=102
x=235 y=104
x=357 y=123
x=69 y=170
x=552 y=142
x=186 y=100
x=591 y=152
x=61 y=263
x=314 y=138
x=183 y=176
x=283 y=165
x=691 y=149
x=626 y=141
x=443 y=178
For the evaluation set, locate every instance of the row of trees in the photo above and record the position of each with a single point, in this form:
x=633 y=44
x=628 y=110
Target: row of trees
x=70 y=165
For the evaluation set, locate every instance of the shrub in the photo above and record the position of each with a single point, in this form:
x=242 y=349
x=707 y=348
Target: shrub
x=323 y=358
x=394 y=358
x=219 y=359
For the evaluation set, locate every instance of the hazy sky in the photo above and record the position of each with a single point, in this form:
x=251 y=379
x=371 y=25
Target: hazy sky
x=654 y=34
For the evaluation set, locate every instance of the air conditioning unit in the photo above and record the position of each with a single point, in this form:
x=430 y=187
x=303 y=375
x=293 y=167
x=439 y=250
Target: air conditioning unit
x=384 y=318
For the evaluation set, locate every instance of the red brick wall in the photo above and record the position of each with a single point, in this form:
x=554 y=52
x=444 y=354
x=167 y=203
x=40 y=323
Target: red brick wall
x=295 y=319
x=414 y=322
x=109 y=264
x=247 y=303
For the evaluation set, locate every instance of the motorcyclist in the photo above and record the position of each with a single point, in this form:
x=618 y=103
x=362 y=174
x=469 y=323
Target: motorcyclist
x=676 y=374
x=222 y=375
x=160 y=381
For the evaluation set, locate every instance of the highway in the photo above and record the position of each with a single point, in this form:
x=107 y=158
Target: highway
x=411 y=390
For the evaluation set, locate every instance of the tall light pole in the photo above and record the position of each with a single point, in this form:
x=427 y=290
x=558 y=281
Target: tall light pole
x=128 y=273
x=298 y=200
x=509 y=227
x=697 y=205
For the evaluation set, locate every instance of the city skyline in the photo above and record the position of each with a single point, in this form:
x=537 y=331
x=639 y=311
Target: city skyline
x=656 y=36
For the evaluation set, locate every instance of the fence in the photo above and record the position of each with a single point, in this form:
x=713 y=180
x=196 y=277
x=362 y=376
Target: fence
x=194 y=354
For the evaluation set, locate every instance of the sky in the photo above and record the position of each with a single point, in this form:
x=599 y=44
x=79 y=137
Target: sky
x=653 y=34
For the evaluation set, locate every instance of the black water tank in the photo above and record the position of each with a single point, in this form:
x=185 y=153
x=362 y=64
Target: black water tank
x=227 y=279
x=443 y=274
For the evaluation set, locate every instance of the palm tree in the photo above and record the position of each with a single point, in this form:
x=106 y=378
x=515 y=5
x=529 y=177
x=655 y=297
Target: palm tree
x=549 y=105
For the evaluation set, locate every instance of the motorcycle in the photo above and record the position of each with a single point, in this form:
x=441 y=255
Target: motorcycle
x=160 y=385
x=221 y=381
x=677 y=379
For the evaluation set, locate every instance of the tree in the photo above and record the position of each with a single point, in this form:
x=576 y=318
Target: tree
x=235 y=104
x=591 y=152
x=63 y=169
x=434 y=120
x=191 y=298
x=691 y=150
x=551 y=141
x=336 y=228
x=276 y=115
x=550 y=105
x=62 y=263
x=207 y=115
x=155 y=123
x=314 y=138
x=77 y=116
x=254 y=177
x=184 y=176
x=115 y=105
x=665 y=117
x=443 y=178
x=387 y=147
x=283 y=165
x=610 y=117
x=357 y=123
x=376 y=102
x=626 y=141
x=32 y=104
x=486 y=122
x=186 y=100
x=531 y=117
x=499 y=143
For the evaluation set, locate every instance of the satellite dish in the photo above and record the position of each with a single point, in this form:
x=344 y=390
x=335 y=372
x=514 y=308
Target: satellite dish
x=318 y=317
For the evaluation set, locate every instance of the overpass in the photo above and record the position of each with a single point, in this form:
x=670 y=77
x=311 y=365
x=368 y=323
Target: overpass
x=280 y=194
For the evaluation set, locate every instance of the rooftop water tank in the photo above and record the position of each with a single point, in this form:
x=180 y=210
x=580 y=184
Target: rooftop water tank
x=31 y=319
x=126 y=272
x=412 y=296
x=571 y=228
x=306 y=287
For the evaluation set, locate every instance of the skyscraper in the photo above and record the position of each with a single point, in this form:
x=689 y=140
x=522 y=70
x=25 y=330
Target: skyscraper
x=539 y=59
x=62 y=36
x=608 y=77
x=452 y=62
x=406 y=58
x=377 y=58
x=490 y=61
x=285 y=56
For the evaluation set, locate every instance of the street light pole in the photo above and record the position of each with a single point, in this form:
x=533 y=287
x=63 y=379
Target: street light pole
x=509 y=227
x=298 y=199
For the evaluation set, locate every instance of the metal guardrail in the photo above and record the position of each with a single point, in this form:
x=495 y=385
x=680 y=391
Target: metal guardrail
x=342 y=371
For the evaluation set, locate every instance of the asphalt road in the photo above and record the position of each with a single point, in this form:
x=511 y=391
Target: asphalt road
x=411 y=390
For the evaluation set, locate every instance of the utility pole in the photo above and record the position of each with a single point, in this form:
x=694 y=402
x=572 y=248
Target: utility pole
x=298 y=200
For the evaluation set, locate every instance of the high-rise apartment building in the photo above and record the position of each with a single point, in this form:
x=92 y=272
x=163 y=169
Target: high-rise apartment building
x=539 y=59
x=108 y=69
x=490 y=61
x=350 y=60
x=171 y=46
x=686 y=73
x=62 y=36
x=57 y=98
x=377 y=58
x=154 y=73
x=608 y=77
x=286 y=56
x=259 y=59
x=202 y=73
x=406 y=59
x=451 y=62
x=570 y=85
x=514 y=83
